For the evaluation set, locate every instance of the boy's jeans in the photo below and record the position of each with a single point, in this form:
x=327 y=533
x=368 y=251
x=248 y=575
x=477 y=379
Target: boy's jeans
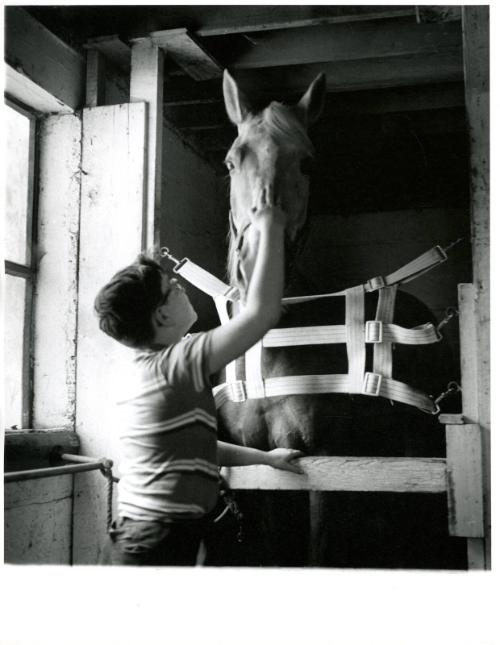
x=154 y=543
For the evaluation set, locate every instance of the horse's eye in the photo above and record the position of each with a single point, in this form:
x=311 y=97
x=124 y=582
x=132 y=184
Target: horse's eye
x=306 y=165
x=229 y=164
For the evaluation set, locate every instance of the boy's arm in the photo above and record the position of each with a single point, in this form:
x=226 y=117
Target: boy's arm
x=263 y=303
x=284 y=458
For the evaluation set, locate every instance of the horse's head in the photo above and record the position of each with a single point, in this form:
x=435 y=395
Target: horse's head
x=269 y=163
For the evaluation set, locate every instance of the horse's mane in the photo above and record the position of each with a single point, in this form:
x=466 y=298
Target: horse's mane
x=283 y=126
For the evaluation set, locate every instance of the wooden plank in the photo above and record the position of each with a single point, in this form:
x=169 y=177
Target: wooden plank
x=232 y=20
x=36 y=53
x=114 y=49
x=342 y=42
x=22 y=89
x=476 y=556
x=59 y=177
x=464 y=480
x=438 y=13
x=468 y=356
x=381 y=474
x=112 y=210
x=188 y=52
x=475 y=20
x=182 y=92
x=34 y=449
x=358 y=74
x=95 y=88
x=146 y=84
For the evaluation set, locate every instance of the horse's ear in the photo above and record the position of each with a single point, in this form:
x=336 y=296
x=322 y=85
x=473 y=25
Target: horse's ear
x=311 y=104
x=237 y=105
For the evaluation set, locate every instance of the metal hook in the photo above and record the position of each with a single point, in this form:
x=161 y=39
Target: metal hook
x=165 y=253
x=450 y=313
x=452 y=387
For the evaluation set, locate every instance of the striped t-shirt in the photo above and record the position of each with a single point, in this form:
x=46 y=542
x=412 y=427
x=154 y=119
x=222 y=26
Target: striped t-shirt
x=169 y=467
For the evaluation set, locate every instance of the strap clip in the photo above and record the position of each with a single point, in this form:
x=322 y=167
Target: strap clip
x=372 y=384
x=378 y=282
x=373 y=331
x=238 y=391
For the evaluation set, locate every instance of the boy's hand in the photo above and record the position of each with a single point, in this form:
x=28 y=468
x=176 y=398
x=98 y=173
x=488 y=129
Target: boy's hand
x=285 y=459
x=267 y=216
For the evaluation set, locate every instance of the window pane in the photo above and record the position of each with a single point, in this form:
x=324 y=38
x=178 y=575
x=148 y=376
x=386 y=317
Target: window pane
x=15 y=299
x=17 y=130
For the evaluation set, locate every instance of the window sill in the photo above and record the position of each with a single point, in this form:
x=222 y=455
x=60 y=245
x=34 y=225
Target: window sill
x=28 y=449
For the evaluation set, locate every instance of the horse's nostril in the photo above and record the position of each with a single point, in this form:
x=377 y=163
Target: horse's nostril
x=254 y=209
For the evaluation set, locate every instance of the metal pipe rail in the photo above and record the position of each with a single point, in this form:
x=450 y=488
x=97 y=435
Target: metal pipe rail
x=80 y=464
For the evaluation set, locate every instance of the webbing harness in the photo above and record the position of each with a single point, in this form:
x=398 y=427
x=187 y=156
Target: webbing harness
x=356 y=333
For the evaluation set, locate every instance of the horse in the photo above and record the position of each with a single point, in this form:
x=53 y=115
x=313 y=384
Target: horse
x=270 y=162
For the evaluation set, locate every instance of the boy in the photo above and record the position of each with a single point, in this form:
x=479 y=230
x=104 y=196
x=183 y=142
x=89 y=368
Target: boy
x=170 y=476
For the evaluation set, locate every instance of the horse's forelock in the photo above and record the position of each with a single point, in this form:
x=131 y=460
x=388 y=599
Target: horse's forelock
x=283 y=124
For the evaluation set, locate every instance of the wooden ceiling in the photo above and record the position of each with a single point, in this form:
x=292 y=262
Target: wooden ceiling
x=395 y=64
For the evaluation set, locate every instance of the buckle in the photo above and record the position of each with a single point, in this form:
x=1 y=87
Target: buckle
x=378 y=282
x=372 y=384
x=373 y=331
x=238 y=391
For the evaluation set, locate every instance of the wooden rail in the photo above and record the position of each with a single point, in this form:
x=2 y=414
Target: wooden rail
x=368 y=474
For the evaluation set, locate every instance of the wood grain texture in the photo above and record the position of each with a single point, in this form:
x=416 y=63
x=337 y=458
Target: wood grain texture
x=382 y=474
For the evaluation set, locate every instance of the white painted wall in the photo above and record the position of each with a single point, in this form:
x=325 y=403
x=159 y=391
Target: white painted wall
x=112 y=209
x=38 y=513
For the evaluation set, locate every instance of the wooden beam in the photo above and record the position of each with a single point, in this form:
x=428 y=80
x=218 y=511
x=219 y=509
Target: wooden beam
x=181 y=92
x=369 y=474
x=36 y=53
x=146 y=84
x=342 y=42
x=464 y=476
x=358 y=74
x=95 y=85
x=188 y=52
x=229 y=19
x=114 y=49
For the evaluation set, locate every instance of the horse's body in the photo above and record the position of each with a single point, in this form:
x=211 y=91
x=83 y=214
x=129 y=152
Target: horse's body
x=267 y=163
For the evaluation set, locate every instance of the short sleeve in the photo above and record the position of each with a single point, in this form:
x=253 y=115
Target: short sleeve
x=185 y=363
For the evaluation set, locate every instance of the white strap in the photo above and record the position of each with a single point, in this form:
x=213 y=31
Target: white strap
x=253 y=372
x=312 y=335
x=410 y=271
x=382 y=352
x=297 y=299
x=384 y=333
x=204 y=280
x=355 y=336
x=373 y=385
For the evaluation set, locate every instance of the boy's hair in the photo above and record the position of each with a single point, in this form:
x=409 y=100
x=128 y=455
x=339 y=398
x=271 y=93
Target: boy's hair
x=126 y=303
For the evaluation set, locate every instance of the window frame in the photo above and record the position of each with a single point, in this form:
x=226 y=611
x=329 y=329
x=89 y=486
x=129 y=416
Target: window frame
x=27 y=271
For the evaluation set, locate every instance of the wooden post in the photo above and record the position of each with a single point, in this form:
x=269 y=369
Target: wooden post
x=476 y=69
x=95 y=87
x=464 y=480
x=146 y=84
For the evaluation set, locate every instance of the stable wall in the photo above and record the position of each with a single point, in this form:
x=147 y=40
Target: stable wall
x=194 y=222
x=112 y=216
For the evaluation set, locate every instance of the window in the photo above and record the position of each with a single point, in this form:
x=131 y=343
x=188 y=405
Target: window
x=19 y=265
